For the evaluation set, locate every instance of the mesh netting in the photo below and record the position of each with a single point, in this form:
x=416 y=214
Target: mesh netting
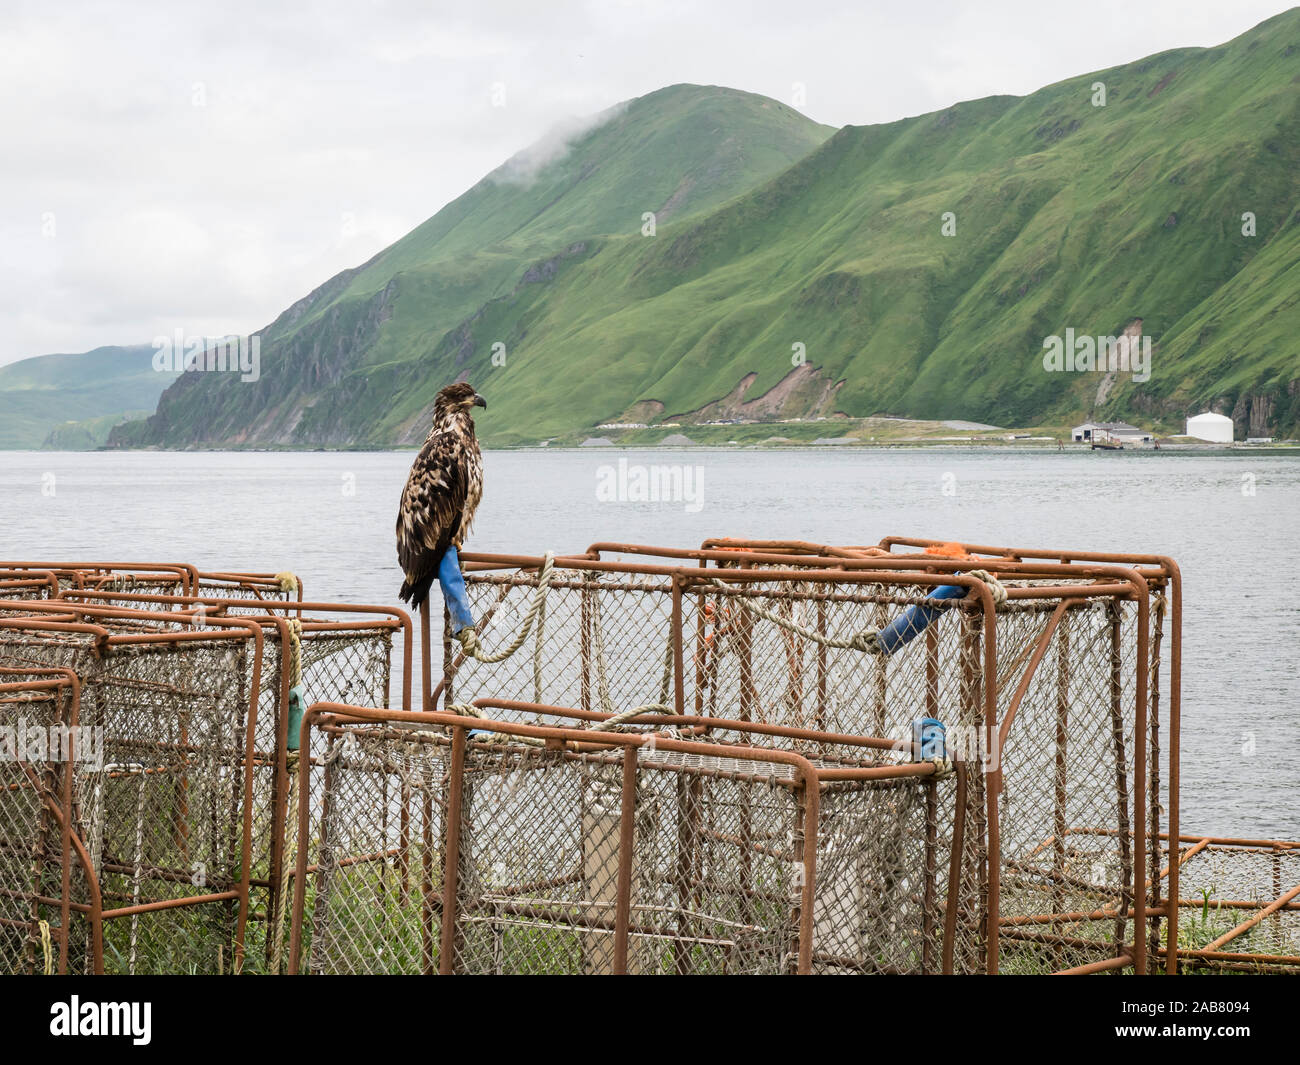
x=41 y=874
x=163 y=814
x=587 y=859
x=1224 y=888
x=1066 y=686
x=160 y=810
x=713 y=881
x=1069 y=764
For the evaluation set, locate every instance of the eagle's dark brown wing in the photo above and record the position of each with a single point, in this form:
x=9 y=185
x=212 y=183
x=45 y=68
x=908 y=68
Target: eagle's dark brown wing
x=433 y=503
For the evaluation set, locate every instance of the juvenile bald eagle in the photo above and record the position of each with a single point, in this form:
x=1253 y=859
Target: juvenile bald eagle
x=442 y=491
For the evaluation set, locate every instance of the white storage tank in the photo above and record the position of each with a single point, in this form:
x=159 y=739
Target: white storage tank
x=1217 y=428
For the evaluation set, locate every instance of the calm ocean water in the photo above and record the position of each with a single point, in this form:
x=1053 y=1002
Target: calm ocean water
x=1230 y=519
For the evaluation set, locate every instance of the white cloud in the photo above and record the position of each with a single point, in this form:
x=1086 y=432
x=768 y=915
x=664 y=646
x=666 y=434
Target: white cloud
x=523 y=167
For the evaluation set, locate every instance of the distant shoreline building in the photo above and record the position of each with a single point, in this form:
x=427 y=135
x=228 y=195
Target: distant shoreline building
x=1110 y=433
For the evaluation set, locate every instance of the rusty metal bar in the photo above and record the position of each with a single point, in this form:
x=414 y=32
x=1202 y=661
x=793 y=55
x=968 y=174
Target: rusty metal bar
x=451 y=854
x=626 y=830
x=1122 y=962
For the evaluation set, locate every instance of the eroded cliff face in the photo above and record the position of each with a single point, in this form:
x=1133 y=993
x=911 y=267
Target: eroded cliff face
x=301 y=366
x=1131 y=337
x=1265 y=413
x=805 y=392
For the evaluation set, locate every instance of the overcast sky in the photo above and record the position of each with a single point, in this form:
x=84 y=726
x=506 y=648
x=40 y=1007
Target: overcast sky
x=201 y=166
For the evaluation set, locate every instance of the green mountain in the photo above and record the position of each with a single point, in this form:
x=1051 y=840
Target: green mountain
x=73 y=401
x=89 y=434
x=1169 y=210
x=343 y=364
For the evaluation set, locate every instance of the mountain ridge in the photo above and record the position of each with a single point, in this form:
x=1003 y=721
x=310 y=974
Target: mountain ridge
x=340 y=328
x=49 y=399
x=1067 y=215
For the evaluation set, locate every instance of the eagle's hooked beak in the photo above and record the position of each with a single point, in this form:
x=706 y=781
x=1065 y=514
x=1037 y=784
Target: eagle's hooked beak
x=479 y=401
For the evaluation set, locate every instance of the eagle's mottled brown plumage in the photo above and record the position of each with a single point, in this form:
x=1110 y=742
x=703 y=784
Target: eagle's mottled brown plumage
x=442 y=491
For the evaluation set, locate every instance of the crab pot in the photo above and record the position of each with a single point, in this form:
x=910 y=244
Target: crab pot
x=562 y=850
x=1239 y=905
x=161 y=808
x=1054 y=689
x=186 y=792
x=49 y=915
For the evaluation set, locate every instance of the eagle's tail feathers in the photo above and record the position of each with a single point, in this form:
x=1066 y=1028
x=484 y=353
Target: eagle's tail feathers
x=416 y=593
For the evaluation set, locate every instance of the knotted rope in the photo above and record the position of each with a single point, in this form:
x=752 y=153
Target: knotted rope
x=295 y=652
x=47 y=947
x=864 y=640
x=536 y=609
x=627 y=715
x=289 y=857
x=469 y=710
x=995 y=586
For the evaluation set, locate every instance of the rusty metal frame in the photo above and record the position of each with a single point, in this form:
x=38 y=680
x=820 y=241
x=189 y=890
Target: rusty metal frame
x=24 y=584
x=274 y=615
x=50 y=617
x=1156 y=571
x=1160 y=572
x=63 y=684
x=808 y=779
x=1126 y=577
x=221 y=606
x=1285 y=899
x=211 y=606
x=1254 y=911
x=189 y=579
x=87 y=599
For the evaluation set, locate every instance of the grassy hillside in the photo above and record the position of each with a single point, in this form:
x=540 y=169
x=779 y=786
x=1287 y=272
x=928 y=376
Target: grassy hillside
x=1067 y=215
x=99 y=388
x=331 y=363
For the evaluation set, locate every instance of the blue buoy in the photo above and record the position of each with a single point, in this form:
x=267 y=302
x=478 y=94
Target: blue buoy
x=914 y=620
x=293 y=724
x=931 y=739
